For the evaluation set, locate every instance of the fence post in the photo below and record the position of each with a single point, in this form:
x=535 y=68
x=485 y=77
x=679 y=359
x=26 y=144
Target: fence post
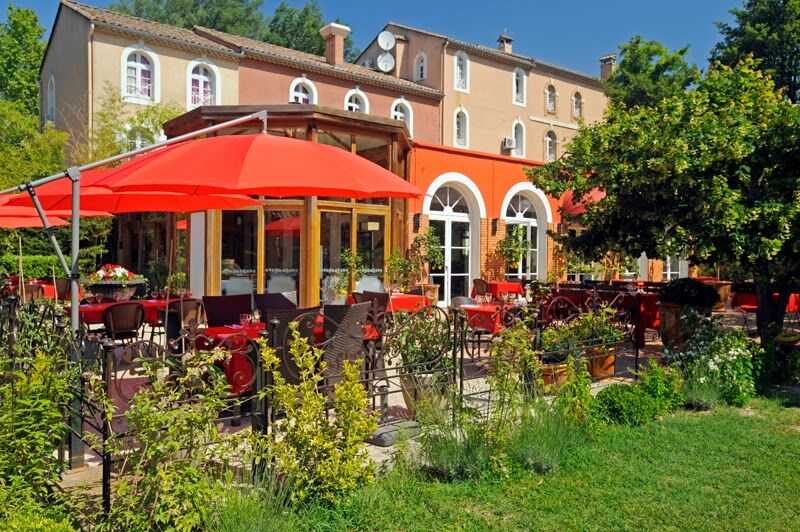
x=76 y=445
x=107 y=348
x=637 y=323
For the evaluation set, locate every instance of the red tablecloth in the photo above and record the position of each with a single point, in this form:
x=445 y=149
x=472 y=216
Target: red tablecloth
x=496 y=288
x=93 y=313
x=407 y=302
x=484 y=316
x=741 y=299
x=238 y=370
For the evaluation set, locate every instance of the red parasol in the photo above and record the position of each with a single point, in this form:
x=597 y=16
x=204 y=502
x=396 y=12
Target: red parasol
x=570 y=207
x=58 y=195
x=7 y=210
x=288 y=226
x=20 y=222
x=258 y=164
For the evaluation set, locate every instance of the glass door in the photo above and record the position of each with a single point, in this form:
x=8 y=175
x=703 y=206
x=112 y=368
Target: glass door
x=527 y=268
x=453 y=277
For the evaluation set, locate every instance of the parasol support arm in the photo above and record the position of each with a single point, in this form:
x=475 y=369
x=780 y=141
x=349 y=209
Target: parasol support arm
x=48 y=229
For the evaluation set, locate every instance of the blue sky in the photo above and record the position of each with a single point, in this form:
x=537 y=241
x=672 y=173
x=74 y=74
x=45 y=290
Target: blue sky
x=573 y=34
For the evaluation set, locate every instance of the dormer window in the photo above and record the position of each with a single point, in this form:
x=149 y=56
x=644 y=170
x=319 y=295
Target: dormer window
x=420 y=67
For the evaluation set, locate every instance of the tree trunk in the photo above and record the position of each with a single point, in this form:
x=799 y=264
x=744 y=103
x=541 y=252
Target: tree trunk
x=771 y=311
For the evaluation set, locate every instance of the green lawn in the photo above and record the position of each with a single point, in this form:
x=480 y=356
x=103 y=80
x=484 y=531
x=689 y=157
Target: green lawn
x=733 y=469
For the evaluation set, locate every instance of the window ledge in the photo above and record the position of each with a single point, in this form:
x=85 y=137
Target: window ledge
x=138 y=100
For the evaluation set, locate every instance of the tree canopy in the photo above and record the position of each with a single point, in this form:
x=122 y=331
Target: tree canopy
x=240 y=17
x=289 y=26
x=21 y=52
x=769 y=30
x=648 y=72
x=710 y=173
x=298 y=28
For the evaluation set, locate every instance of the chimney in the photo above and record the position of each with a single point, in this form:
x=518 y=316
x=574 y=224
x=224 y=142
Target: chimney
x=504 y=43
x=334 y=35
x=608 y=64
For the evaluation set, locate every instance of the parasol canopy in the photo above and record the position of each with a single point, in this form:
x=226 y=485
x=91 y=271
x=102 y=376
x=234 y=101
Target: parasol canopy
x=259 y=164
x=571 y=207
x=21 y=222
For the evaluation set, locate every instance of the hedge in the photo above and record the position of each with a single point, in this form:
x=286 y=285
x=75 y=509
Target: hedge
x=33 y=266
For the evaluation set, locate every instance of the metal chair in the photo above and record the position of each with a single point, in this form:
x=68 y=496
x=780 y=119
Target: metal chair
x=225 y=310
x=123 y=321
x=62 y=287
x=268 y=302
x=33 y=292
x=347 y=343
x=481 y=287
x=457 y=301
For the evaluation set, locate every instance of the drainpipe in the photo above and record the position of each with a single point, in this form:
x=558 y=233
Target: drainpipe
x=441 y=84
x=90 y=90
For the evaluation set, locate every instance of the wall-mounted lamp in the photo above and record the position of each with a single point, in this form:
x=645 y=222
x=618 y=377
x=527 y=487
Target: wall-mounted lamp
x=416 y=220
x=495 y=223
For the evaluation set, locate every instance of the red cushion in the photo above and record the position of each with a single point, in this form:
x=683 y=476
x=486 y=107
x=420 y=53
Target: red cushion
x=748 y=308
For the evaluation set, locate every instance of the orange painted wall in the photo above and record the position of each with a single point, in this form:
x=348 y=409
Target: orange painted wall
x=493 y=174
x=267 y=83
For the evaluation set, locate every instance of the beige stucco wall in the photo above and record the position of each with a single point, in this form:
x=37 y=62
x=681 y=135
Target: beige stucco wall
x=407 y=51
x=108 y=50
x=67 y=61
x=267 y=83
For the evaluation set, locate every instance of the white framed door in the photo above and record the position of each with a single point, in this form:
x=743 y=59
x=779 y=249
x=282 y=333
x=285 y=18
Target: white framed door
x=454 y=276
x=528 y=267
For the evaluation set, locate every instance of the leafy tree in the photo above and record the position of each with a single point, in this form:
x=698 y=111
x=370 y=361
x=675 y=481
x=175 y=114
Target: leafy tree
x=648 y=72
x=711 y=173
x=21 y=52
x=298 y=28
x=240 y=17
x=769 y=30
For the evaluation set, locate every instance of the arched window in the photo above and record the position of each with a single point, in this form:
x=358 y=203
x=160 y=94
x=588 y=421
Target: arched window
x=139 y=76
x=521 y=213
x=202 y=89
x=401 y=110
x=420 y=67
x=550 y=143
x=550 y=99
x=519 y=82
x=50 y=113
x=461 y=72
x=303 y=91
x=461 y=128
x=519 y=139
x=577 y=105
x=450 y=201
x=356 y=101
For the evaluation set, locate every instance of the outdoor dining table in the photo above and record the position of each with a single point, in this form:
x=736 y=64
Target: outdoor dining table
x=407 y=302
x=488 y=316
x=92 y=313
x=498 y=288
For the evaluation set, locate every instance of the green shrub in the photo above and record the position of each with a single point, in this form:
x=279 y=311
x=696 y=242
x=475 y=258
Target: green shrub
x=257 y=506
x=664 y=385
x=544 y=439
x=324 y=455
x=687 y=291
x=574 y=396
x=700 y=392
x=594 y=328
x=40 y=519
x=33 y=266
x=624 y=404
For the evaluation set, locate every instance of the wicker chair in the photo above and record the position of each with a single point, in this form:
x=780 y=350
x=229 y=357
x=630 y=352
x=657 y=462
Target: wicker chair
x=457 y=301
x=481 y=287
x=122 y=322
x=347 y=343
x=283 y=340
x=225 y=310
x=33 y=292
x=268 y=302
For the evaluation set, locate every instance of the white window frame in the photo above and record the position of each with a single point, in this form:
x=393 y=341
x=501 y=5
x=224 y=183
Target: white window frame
x=547 y=93
x=550 y=137
x=520 y=150
x=155 y=73
x=423 y=58
x=409 y=114
x=577 y=97
x=524 y=88
x=50 y=109
x=460 y=54
x=670 y=274
x=461 y=110
x=216 y=81
x=358 y=93
x=309 y=86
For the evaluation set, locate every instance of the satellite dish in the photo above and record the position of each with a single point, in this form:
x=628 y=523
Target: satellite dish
x=386 y=40
x=385 y=62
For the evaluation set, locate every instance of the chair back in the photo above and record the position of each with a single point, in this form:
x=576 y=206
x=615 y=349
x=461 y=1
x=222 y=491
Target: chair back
x=346 y=344
x=334 y=315
x=418 y=291
x=225 y=310
x=189 y=312
x=123 y=319
x=62 y=287
x=457 y=301
x=358 y=297
x=283 y=340
x=267 y=302
x=379 y=300
x=33 y=292
x=481 y=287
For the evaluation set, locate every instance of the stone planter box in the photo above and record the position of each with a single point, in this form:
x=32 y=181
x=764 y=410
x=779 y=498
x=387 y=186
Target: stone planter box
x=115 y=289
x=723 y=289
x=672 y=334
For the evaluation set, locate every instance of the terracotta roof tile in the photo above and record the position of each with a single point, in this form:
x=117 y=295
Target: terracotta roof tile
x=157 y=30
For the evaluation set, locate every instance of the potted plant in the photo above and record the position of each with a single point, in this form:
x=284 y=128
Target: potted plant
x=419 y=344
x=514 y=245
x=399 y=271
x=426 y=253
x=353 y=265
x=177 y=283
x=112 y=281
x=675 y=297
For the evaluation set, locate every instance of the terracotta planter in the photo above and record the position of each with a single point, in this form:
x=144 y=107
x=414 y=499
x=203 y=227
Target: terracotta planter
x=600 y=362
x=554 y=374
x=423 y=389
x=431 y=291
x=672 y=334
x=723 y=289
x=110 y=289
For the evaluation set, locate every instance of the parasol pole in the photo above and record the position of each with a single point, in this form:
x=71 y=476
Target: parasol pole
x=21 y=280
